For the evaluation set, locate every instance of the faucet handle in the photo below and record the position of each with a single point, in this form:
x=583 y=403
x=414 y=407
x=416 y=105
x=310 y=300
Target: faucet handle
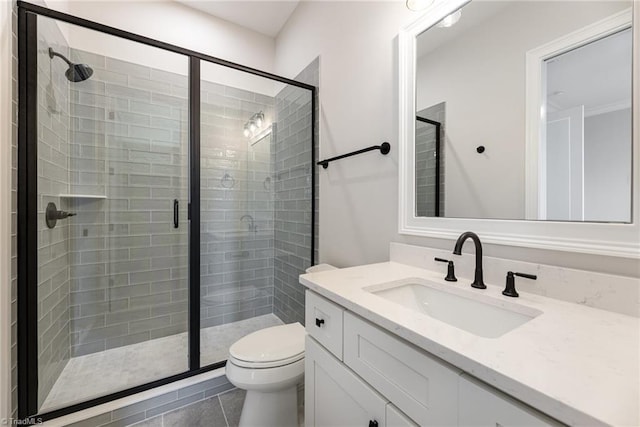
x=451 y=274
x=510 y=287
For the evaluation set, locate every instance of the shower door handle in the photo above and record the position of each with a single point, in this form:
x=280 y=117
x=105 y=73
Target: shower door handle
x=176 y=217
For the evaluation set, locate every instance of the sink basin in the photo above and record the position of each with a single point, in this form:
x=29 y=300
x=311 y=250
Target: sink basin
x=479 y=314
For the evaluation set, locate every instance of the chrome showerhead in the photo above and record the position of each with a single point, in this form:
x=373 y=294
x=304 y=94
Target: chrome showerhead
x=76 y=72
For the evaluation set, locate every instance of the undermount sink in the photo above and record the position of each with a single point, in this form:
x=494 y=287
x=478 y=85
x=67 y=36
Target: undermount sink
x=479 y=314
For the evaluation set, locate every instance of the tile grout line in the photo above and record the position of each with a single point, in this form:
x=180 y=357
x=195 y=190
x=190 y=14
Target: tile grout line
x=224 y=414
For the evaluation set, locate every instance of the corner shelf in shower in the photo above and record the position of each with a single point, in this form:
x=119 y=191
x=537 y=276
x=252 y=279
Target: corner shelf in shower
x=81 y=196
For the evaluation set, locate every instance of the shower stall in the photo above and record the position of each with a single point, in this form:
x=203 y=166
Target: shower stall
x=166 y=208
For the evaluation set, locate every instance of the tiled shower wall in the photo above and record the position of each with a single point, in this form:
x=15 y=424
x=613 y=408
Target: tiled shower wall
x=426 y=161
x=293 y=195
x=53 y=180
x=236 y=207
x=14 y=216
x=128 y=264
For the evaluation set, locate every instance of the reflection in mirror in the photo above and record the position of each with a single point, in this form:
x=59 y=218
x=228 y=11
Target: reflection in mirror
x=588 y=132
x=566 y=63
x=430 y=161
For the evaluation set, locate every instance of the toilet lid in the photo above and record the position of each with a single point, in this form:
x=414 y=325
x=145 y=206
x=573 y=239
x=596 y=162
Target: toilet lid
x=266 y=348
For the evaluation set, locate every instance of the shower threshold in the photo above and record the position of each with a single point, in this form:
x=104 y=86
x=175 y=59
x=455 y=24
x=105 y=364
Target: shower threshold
x=98 y=374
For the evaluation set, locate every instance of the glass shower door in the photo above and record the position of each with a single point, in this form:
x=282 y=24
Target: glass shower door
x=255 y=205
x=113 y=192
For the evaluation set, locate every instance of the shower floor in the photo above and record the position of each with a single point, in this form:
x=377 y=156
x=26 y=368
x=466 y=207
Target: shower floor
x=94 y=375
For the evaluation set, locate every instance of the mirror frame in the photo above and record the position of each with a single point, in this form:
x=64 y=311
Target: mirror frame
x=610 y=239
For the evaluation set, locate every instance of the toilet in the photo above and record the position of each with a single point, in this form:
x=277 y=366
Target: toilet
x=269 y=365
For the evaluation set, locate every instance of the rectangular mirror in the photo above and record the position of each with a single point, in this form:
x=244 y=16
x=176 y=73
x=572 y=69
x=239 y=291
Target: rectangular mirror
x=518 y=120
x=473 y=67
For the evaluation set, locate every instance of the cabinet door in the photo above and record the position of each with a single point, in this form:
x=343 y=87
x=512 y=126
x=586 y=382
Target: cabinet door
x=335 y=396
x=420 y=385
x=395 y=418
x=480 y=405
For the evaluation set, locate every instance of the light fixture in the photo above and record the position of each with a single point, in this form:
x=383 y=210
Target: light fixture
x=253 y=125
x=417 y=5
x=259 y=118
x=450 y=20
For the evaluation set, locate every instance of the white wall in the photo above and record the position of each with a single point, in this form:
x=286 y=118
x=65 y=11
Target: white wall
x=357 y=48
x=173 y=23
x=483 y=87
x=607 y=171
x=357 y=45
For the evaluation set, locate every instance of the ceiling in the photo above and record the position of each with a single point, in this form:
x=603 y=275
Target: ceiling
x=263 y=16
x=473 y=15
x=597 y=75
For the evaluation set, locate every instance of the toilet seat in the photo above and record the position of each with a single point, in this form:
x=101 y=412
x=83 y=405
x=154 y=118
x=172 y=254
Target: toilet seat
x=269 y=348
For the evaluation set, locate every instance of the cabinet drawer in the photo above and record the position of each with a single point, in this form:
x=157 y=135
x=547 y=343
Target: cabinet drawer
x=395 y=418
x=419 y=385
x=323 y=321
x=482 y=405
x=335 y=396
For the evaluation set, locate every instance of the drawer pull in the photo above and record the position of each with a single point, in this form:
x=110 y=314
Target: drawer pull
x=319 y=322
x=373 y=423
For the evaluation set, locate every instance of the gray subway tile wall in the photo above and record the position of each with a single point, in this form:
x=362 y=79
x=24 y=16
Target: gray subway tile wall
x=116 y=274
x=14 y=216
x=293 y=194
x=125 y=236
x=311 y=75
x=128 y=264
x=426 y=161
x=236 y=208
x=53 y=180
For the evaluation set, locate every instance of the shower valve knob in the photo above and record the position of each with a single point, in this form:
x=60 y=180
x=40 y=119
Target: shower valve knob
x=52 y=215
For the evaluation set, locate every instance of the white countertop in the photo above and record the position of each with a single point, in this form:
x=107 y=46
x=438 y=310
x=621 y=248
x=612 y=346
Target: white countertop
x=577 y=364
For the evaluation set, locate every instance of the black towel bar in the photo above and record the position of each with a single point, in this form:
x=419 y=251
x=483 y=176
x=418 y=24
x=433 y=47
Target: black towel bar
x=384 y=148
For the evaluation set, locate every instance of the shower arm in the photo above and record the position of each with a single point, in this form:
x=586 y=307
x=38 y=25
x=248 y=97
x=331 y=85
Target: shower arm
x=53 y=53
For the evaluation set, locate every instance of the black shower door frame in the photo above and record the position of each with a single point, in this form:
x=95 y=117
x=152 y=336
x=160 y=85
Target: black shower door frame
x=27 y=204
x=438 y=126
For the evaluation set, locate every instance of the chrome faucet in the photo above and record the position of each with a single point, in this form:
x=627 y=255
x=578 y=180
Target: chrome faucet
x=478 y=281
x=251 y=223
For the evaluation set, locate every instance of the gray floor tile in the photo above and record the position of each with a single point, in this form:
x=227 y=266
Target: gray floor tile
x=98 y=420
x=151 y=422
x=205 y=413
x=232 y=402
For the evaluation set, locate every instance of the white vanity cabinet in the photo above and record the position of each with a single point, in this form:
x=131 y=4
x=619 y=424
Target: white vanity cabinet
x=336 y=397
x=395 y=418
x=481 y=405
x=423 y=387
x=357 y=374
x=323 y=320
